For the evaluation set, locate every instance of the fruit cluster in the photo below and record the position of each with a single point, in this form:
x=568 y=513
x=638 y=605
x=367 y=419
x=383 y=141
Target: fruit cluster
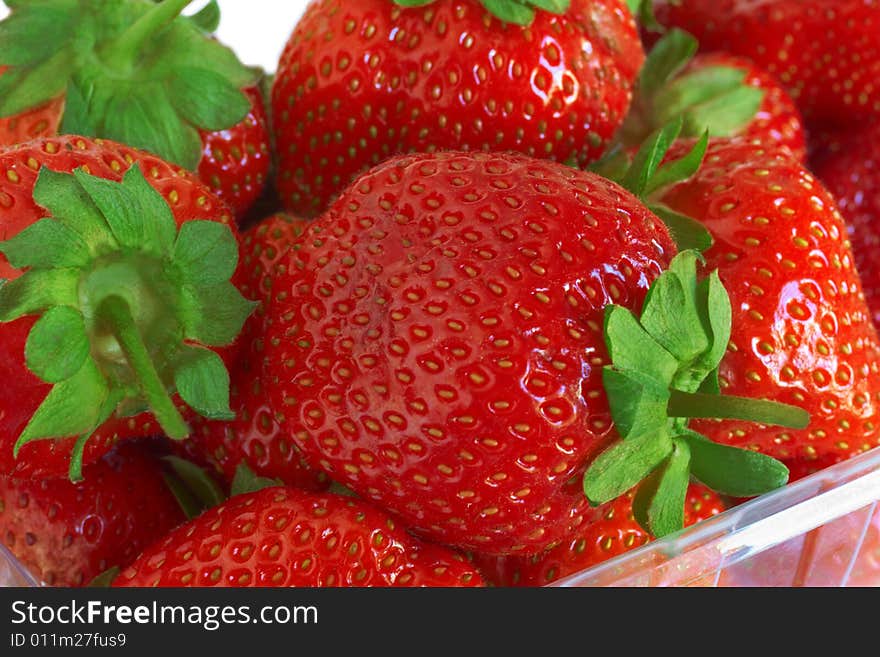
x=469 y=293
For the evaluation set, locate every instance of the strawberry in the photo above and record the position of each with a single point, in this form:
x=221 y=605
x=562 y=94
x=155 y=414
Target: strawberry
x=255 y=437
x=720 y=93
x=551 y=79
x=615 y=531
x=235 y=162
x=150 y=80
x=852 y=175
x=285 y=537
x=437 y=345
x=824 y=52
x=67 y=534
x=802 y=332
x=117 y=293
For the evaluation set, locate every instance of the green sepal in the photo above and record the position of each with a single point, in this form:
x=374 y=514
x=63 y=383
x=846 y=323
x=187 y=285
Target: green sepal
x=35 y=31
x=207 y=19
x=69 y=204
x=105 y=579
x=57 y=346
x=136 y=72
x=695 y=405
x=732 y=471
x=247 y=481
x=687 y=233
x=125 y=206
x=623 y=465
x=205 y=253
x=638 y=404
x=717 y=314
x=671 y=318
x=680 y=169
x=202 y=381
x=195 y=489
x=650 y=155
x=669 y=56
x=517 y=12
x=75 y=473
x=36 y=290
x=664 y=371
x=214 y=314
x=659 y=502
x=24 y=88
x=632 y=348
x=72 y=408
x=46 y=243
x=206 y=98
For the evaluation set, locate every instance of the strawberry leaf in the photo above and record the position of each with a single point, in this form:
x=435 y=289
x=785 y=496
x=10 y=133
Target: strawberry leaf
x=247 y=481
x=659 y=502
x=72 y=407
x=197 y=482
x=214 y=314
x=203 y=382
x=623 y=465
x=68 y=203
x=57 y=346
x=638 y=405
x=205 y=253
x=718 y=467
x=633 y=349
x=43 y=243
x=38 y=290
x=672 y=319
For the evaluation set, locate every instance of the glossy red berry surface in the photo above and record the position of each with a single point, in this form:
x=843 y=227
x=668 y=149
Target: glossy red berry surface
x=360 y=82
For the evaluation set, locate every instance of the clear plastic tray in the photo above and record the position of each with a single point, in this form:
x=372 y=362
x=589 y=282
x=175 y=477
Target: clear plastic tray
x=821 y=531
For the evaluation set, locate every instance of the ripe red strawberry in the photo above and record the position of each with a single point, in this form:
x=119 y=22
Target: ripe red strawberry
x=235 y=162
x=613 y=532
x=852 y=175
x=118 y=289
x=153 y=81
x=438 y=345
x=254 y=437
x=285 y=537
x=825 y=52
x=724 y=94
x=360 y=82
x=802 y=333
x=67 y=534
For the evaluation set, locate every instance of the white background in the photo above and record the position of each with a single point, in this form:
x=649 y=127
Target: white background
x=256 y=29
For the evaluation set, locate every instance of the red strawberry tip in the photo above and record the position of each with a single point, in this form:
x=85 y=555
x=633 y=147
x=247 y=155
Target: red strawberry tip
x=149 y=66
x=129 y=309
x=664 y=372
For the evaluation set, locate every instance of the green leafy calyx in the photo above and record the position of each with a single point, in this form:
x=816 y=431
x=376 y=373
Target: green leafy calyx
x=664 y=372
x=648 y=174
x=130 y=70
x=517 y=12
x=129 y=307
x=714 y=99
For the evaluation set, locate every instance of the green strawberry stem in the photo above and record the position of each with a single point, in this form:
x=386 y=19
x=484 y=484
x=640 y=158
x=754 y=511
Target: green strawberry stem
x=123 y=53
x=115 y=312
x=724 y=407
